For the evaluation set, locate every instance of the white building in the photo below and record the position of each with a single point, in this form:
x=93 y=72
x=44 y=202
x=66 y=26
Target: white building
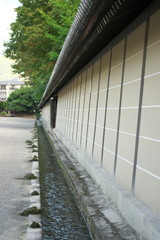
x=7 y=87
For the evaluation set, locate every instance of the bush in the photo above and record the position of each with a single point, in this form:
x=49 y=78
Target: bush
x=22 y=101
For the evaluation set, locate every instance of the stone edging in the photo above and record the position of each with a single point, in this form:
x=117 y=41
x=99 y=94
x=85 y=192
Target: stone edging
x=35 y=233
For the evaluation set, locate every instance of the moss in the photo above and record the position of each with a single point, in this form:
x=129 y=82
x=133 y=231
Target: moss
x=34 y=150
x=29 y=142
x=30 y=176
x=35 y=158
x=34 y=193
x=34 y=146
x=32 y=210
x=35 y=225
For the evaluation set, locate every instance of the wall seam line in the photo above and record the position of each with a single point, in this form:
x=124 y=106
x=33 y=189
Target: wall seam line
x=140 y=105
x=120 y=104
x=83 y=105
x=106 y=104
x=100 y=67
x=89 y=105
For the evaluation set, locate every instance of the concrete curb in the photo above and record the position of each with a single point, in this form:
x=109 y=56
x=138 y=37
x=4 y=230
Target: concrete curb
x=35 y=233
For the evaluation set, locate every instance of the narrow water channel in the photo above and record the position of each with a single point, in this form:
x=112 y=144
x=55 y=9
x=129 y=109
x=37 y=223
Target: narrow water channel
x=61 y=217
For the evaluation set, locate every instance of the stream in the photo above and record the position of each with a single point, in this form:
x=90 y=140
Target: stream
x=61 y=216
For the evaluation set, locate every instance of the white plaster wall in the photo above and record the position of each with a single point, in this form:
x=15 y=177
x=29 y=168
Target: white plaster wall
x=90 y=106
x=97 y=116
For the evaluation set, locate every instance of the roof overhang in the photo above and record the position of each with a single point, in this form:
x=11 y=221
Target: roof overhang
x=96 y=24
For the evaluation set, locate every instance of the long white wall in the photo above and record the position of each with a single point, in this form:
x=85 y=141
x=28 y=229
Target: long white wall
x=111 y=112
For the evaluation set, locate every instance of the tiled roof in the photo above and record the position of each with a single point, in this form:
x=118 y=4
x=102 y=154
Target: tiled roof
x=95 y=25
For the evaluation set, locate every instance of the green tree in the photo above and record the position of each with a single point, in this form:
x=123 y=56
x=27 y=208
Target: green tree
x=22 y=101
x=37 y=36
x=3 y=106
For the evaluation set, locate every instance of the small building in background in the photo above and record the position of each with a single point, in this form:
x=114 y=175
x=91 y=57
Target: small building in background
x=7 y=87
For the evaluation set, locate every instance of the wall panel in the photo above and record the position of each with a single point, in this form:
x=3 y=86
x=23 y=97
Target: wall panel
x=130 y=106
x=114 y=91
x=46 y=113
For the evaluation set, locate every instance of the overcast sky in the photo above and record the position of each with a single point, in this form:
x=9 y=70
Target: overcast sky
x=7 y=16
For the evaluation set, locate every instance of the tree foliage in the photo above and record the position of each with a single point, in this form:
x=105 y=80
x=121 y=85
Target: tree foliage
x=3 y=106
x=22 y=100
x=37 y=36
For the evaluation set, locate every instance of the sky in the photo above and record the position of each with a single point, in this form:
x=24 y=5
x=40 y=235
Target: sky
x=7 y=16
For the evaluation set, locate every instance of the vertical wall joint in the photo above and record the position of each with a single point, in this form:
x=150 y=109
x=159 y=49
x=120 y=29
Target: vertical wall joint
x=120 y=104
x=140 y=104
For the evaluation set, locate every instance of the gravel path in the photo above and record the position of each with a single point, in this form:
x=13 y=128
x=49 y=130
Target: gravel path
x=14 y=164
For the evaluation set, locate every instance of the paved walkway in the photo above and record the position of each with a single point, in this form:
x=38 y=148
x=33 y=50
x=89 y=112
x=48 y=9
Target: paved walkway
x=14 y=164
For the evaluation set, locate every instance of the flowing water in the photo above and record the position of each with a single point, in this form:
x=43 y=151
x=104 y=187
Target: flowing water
x=61 y=217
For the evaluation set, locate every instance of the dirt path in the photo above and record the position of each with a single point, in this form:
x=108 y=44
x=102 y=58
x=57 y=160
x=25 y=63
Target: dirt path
x=14 y=164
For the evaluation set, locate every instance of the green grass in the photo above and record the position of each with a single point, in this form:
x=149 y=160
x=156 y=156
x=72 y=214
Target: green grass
x=30 y=176
x=32 y=210
x=35 y=225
